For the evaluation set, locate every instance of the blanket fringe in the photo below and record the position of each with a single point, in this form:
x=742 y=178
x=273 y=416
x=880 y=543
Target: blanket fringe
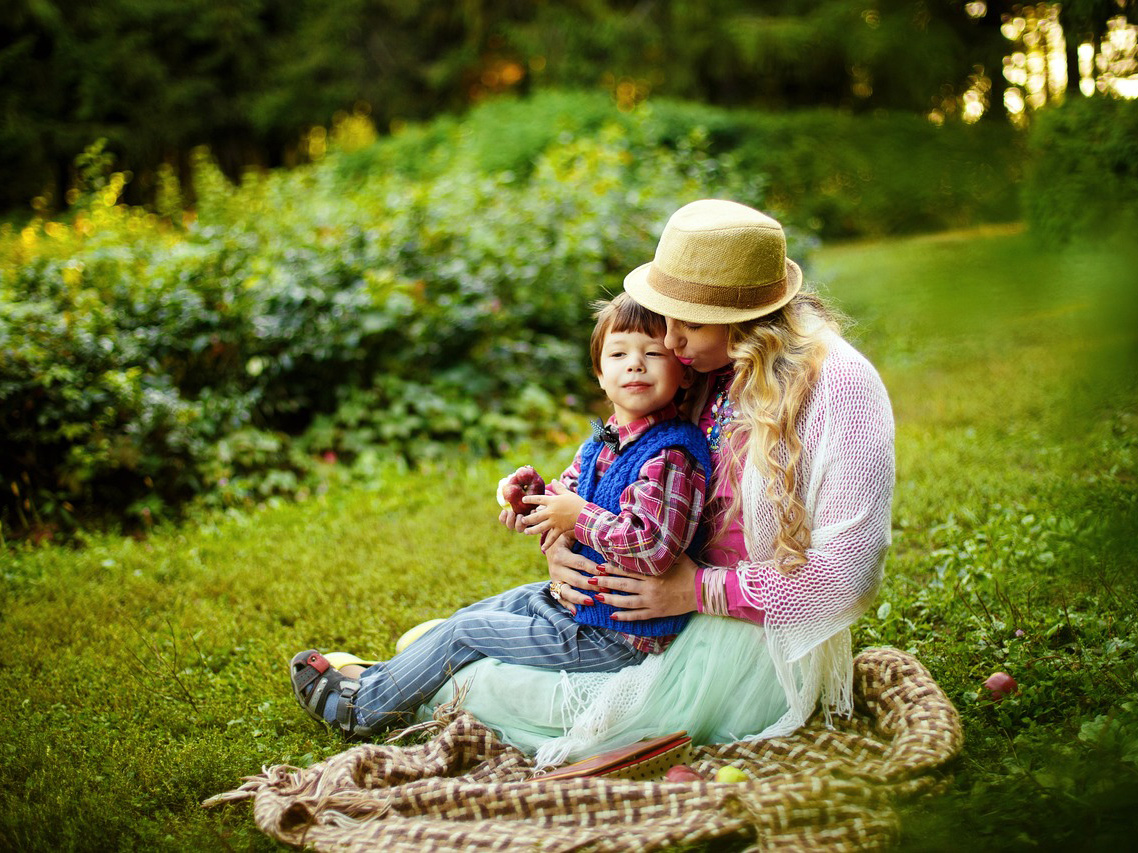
x=279 y=776
x=442 y=717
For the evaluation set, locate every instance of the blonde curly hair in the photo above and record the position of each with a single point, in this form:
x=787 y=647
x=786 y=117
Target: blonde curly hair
x=777 y=359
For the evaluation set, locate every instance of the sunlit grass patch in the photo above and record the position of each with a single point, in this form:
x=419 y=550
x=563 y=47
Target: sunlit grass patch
x=144 y=676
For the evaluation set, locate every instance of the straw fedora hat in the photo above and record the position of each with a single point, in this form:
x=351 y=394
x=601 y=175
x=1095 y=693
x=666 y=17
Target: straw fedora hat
x=717 y=262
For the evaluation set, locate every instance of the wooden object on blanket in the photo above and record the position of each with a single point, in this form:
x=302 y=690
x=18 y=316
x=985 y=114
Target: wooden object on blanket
x=645 y=761
x=818 y=789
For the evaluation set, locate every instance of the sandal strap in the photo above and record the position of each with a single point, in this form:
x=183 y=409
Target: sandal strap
x=315 y=665
x=346 y=710
x=318 y=698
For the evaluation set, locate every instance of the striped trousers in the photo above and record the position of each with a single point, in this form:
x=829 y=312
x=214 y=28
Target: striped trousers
x=523 y=626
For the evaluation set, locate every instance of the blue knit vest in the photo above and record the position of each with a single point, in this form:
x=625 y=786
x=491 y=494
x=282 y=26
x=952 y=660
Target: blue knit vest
x=606 y=493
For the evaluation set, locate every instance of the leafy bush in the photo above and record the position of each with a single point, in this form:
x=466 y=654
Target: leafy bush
x=1084 y=175
x=839 y=174
x=432 y=288
x=145 y=358
x=885 y=174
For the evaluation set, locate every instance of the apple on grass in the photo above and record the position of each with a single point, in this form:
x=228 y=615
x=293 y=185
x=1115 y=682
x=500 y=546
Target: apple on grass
x=1000 y=685
x=511 y=489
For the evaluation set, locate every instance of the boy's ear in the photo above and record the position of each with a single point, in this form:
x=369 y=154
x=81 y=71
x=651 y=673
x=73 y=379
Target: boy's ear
x=689 y=377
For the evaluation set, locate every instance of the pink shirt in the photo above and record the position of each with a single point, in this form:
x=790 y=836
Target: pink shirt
x=717 y=589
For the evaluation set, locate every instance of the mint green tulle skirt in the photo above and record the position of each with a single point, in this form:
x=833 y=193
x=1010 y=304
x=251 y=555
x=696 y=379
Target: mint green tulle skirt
x=716 y=682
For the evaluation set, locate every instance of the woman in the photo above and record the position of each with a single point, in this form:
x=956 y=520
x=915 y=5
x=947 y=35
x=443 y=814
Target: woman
x=802 y=448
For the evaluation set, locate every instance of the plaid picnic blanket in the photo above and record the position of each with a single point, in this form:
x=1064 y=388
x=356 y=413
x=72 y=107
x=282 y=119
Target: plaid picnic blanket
x=823 y=788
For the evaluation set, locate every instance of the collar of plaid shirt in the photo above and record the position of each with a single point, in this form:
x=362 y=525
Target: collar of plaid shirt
x=619 y=437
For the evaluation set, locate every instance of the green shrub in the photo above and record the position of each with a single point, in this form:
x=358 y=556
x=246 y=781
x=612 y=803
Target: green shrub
x=1084 y=168
x=850 y=176
x=314 y=313
x=837 y=174
x=431 y=289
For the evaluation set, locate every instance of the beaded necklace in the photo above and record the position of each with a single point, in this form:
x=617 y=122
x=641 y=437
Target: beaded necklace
x=723 y=411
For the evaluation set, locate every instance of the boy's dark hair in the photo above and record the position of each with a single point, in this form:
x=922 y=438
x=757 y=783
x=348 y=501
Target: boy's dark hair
x=622 y=314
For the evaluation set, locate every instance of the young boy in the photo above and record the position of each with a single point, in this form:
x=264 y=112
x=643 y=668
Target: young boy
x=632 y=497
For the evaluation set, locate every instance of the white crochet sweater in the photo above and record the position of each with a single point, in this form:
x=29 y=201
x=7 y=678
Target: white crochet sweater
x=847 y=467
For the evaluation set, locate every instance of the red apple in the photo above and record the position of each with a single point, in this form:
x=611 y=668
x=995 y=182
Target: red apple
x=682 y=773
x=1000 y=685
x=524 y=481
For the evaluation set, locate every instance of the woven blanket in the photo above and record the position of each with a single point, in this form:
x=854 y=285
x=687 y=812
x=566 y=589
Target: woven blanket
x=828 y=788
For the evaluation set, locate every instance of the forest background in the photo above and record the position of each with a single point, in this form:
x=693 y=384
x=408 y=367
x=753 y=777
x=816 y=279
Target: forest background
x=271 y=272
x=246 y=77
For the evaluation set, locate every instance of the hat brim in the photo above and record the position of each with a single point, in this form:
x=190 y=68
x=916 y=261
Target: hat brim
x=637 y=286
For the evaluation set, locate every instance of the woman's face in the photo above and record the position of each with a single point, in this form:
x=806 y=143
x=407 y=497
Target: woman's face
x=704 y=347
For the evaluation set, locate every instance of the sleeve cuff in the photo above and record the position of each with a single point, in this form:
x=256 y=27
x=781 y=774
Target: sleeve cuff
x=711 y=591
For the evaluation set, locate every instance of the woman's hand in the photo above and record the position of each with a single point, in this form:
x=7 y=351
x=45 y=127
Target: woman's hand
x=651 y=597
x=570 y=570
x=512 y=520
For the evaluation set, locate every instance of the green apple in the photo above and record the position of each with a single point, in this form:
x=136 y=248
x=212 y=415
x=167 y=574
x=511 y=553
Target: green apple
x=731 y=774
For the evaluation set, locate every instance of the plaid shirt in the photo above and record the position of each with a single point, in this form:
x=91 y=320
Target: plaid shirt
x=659 y=512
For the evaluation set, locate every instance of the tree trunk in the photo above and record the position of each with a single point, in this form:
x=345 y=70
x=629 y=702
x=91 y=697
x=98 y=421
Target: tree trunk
x=1072 y=44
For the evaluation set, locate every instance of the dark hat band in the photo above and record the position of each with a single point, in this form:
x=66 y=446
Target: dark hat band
x=744 y=296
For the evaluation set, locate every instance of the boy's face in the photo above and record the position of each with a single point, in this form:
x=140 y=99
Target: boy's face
x=639 y=374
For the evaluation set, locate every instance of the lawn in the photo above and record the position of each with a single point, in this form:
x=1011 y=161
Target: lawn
x=141 y=676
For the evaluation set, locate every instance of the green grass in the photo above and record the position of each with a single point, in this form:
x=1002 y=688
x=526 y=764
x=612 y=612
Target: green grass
x=142 y=676
x=1012 y=375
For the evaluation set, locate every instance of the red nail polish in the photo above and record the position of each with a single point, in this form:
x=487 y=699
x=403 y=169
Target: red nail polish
x=600 y=570
x=589 y=602
x=600 y=598
x=593 y=581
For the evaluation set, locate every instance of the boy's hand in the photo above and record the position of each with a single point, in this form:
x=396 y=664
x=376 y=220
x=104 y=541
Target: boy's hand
x=556 y=512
